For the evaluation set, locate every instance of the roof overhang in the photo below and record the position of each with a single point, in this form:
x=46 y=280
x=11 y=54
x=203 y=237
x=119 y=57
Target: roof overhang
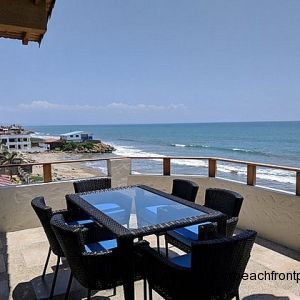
x=25 y=20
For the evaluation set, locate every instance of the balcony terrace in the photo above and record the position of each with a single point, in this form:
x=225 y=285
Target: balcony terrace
x=273 y=214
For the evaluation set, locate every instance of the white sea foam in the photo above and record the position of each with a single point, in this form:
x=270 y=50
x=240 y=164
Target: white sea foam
x=233 y=169
x=131 y=151
x=179 y=145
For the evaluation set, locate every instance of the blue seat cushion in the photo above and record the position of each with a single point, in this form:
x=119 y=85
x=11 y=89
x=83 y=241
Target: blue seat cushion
x=101 y=246
x=186 y=234
x=80 y=222
x=182 y=260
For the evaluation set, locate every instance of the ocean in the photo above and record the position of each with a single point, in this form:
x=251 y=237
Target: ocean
x=265 y=142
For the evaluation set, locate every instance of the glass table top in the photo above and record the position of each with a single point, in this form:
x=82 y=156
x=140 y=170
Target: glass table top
x=136 y=207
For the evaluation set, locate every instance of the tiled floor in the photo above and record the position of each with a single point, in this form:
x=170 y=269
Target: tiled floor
x=23 y=253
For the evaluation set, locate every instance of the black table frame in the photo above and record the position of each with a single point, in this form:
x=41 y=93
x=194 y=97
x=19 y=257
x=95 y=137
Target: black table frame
x=125 y=236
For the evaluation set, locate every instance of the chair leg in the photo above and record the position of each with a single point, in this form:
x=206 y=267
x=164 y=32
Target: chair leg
x=167 y=248
x=54 y=278
x=69 y=287
x=89 y=294
x=115 y=291
x=158 y=247
x=150 y=293
x=145 y=289
x=46 y=263
x=237 y=297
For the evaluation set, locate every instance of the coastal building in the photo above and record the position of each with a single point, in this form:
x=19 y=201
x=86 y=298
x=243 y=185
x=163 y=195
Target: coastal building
x=76 y=136
x=15 y=138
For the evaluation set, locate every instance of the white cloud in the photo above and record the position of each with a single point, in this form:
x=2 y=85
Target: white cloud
x=112 y=107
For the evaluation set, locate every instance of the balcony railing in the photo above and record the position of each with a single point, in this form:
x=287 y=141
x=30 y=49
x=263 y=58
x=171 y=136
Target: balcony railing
x=167 y=163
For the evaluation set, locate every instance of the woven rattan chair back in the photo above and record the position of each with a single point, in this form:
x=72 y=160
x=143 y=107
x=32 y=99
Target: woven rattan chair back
x=219 y=264
x=89 y=185
x=225 y=201
x=44 y=214
x=185 y=189
x=95 y=271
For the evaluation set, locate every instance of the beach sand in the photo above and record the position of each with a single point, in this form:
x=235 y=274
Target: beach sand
x=65 y=171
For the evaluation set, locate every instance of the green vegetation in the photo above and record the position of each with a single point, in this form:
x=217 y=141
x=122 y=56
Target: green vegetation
x=68 y=146
x=37 y=178
x=71 y=146
x=86 y=145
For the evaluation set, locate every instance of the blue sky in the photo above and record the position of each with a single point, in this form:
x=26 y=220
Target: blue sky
x=154 y=61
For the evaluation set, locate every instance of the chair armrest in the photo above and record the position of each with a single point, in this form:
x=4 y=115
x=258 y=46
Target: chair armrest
x=152 y=257
x=207 y=231
x=231 y=225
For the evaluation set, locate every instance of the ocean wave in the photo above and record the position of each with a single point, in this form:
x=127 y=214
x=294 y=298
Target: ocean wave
x=95 y=165
x=249 y=151
x=127 y=140
x=132 y=151
x=189 y=145
x=261 y=173
x=226 y=149
x=280 y=176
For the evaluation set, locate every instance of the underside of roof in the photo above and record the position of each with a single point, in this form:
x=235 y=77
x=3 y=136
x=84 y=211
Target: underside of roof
x=25 y=20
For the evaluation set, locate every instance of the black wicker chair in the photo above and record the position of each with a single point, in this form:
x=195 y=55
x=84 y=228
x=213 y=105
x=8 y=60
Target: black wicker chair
x=94 y=184
x=184 y=189
x=213 y=269
x=45 y=214
x=95 y=270
x=225 y=201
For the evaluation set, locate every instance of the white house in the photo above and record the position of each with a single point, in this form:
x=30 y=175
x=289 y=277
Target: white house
x=76 y=136
x=15 y=142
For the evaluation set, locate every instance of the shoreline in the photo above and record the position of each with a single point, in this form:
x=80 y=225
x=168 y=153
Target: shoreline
x=65 y=171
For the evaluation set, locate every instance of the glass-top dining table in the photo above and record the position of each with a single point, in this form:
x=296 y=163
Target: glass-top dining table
x=137 y=211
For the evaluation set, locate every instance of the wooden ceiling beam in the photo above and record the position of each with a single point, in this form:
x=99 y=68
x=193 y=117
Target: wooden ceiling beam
x=25 y=38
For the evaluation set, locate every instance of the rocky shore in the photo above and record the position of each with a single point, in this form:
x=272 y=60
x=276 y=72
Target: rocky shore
x=97 y=148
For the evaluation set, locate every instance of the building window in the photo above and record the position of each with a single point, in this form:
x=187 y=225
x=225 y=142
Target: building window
x=25 y=146
x=19 y=146
x=71 y=135
x=12 y=146
x=12 y=140
x=24 y=139
x=4 y=141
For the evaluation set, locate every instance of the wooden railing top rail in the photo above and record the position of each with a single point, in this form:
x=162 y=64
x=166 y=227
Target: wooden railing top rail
x=55 y=162
x=245 y=162
x=265 y=165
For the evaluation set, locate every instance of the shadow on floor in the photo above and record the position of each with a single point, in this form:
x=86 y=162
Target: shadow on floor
x=276 y=247
x=265 y=297
x=23 y=291
x=38 y=289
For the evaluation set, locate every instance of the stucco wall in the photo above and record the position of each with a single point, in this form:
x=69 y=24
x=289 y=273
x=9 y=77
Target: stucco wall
x=16 y=212
x=275 y=216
